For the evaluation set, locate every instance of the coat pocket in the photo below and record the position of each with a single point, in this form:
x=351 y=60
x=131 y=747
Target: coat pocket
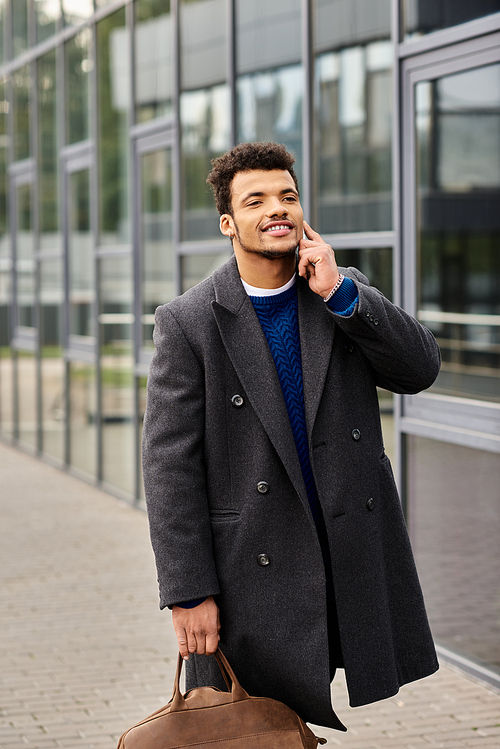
x=224 y=516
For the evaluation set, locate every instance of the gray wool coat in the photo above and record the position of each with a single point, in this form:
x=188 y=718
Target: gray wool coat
x=205 y=454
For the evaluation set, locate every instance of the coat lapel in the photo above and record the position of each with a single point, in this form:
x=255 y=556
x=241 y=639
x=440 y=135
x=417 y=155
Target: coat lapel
x=317 y=332
x=251 y=358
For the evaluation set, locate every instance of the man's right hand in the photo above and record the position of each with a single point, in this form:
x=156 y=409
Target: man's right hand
x=197 y=629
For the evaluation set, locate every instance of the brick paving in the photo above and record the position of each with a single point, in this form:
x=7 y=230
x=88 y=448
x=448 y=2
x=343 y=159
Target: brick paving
x=85 y=652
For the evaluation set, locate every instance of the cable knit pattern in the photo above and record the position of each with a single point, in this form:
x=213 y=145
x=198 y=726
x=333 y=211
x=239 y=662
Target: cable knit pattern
x=279 y=320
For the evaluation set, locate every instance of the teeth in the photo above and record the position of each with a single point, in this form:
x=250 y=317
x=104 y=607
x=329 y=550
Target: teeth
x=278 y=228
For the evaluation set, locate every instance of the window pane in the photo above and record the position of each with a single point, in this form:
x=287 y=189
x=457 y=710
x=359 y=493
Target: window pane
x=374 y=262
x=157 y=255
x=27 y=385
x=2 y=24
x=49 y=235
x=458 y=231
x=5 y=253
x=454 y=521
x=82 y=417
x=21 y=82
x=195 y=268
x=6 y=386
x=117 y=382
x=47 y=14
x=113 y=60
x=270 y=76
x=25 y=258
x=205 y=110
x=78 y=61
x=19 y=10
x=353 y=119
x=76 y=11
x=153 y=59
x=423 y=16
x=80 y=257
x=52 y=362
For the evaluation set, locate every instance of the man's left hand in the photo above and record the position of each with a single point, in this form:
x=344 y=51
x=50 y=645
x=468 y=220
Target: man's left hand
x=317 y=262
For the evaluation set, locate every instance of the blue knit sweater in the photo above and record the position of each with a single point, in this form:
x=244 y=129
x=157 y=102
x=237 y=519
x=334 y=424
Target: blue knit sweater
x=278 y=317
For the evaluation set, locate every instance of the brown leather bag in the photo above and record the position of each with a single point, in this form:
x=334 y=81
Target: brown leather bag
x=208 y=718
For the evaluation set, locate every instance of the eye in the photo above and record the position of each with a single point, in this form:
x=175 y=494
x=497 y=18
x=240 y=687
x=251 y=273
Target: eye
x=291 y=198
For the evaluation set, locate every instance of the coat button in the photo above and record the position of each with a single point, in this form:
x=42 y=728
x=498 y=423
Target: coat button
x=370 y=504
x=263 y=560
x=375 y=322
x=262 y=487
x=237 y=401
x=367 y=313
x=356 y=434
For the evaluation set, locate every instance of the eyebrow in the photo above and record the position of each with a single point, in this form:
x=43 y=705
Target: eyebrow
x=260 y=194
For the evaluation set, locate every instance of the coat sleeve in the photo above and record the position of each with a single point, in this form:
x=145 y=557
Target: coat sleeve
x=402 y=352
x=173 y=467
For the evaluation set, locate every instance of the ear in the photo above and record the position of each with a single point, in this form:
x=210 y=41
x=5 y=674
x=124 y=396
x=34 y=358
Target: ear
x=226 y=225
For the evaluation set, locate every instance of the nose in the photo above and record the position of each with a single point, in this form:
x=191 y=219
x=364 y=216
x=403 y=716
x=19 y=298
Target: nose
x=276 y=208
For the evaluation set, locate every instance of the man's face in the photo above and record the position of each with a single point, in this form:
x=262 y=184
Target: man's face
x=267 y=215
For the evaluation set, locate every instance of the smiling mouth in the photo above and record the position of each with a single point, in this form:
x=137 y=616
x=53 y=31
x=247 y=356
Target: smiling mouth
x=278 y=229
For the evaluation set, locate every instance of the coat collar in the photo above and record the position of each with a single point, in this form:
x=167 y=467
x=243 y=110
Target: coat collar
x=249 y=353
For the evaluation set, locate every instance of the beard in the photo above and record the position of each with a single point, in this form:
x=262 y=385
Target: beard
x=268 y=252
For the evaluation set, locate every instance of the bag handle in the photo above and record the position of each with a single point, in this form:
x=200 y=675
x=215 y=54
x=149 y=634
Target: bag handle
x=238 y=694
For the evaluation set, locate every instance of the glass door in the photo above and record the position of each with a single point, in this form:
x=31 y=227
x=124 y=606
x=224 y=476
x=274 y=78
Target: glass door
x=451 y=220
x=155 y=241
x=80 y=333
x=25 y=317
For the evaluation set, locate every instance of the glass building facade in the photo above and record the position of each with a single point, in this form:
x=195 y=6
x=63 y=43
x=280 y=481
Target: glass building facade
x=110 y=114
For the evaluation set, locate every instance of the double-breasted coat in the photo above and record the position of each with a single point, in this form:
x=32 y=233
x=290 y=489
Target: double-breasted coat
x=227 y=505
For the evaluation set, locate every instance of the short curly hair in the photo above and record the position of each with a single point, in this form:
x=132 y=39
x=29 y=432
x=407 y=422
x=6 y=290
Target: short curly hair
x=244 y=158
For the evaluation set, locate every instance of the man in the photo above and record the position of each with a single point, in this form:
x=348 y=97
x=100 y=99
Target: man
x=273 y=511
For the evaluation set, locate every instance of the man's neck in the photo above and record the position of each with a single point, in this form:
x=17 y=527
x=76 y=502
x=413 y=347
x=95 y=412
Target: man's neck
x=264 y=273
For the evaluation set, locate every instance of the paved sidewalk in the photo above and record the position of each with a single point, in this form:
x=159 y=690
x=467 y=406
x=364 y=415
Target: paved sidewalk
x=84 y=651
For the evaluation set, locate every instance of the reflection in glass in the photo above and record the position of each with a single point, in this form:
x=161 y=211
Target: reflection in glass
x=21 y=82
x=4 y=203
x=117 y=382
x=113 y=74
x=52 y=362
x=76 y=11
x=153 y=59
x=47 y=14
x=49 y=236
x=204 y=110
x=27 y=386
x=157 y=255
x=270 y=108
x=374 y=262
x=424 y=16
x=454 y=522
x=78 y=62
x=270 y=75
x=195 y=268
x=80 y=256
x=2 y=25
x=19 y=11
x=458 y=226
x=25 y=259
x=205 y=135
x=353 y=116
x=82 y=417
x=6 y=388
x=142 y=388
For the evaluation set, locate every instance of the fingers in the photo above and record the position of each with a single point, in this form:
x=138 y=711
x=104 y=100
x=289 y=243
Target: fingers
x=197 y=630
